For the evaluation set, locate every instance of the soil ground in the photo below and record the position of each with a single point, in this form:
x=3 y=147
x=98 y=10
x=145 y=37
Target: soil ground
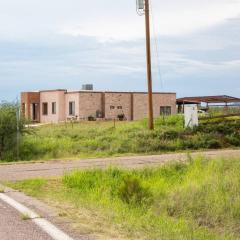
x=15 y=172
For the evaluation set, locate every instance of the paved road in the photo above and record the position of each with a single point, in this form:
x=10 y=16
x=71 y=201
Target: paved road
x=13 y=227
x=58 y=168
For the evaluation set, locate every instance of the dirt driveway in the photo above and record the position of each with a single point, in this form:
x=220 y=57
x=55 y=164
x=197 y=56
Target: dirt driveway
x=14 y=172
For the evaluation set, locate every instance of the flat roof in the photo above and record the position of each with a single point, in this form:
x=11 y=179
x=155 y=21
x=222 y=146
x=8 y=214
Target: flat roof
x=54 y=90
x=93 y=91
x=208 y=99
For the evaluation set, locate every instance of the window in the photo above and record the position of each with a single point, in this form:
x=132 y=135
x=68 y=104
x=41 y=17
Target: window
x=54 y=108
x=45 y=108
x=165 y=111
x=24 y=109
x=71 y=108
x=112 y=107
x=119 y=107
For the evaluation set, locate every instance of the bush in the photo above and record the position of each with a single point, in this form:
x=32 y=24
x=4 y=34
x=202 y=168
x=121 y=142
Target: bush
x=121 y=117
x=132 y=191
x=213 y=144
x=98 y=139
x=9 y=126
x=233 y=139
x=91 y=118
x=171 y=134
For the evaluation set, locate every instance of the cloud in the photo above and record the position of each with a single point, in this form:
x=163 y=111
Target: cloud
x=170 y=18
x=62 y=44
x=109 y=19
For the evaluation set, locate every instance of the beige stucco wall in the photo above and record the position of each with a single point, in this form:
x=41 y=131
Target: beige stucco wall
x=117 y=99
x=49 y=97
x=140 y=103
x=71 y=97
x=89 y=104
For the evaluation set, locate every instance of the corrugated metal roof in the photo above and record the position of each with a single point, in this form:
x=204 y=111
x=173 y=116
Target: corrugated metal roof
x=208 y=99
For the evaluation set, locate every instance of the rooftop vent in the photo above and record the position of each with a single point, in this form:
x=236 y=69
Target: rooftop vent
x=87 y=87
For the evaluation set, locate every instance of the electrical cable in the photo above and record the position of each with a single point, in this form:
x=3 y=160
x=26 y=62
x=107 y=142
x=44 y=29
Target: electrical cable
x=156 y=46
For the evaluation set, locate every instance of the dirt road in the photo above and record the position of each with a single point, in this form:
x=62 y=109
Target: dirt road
x=15 y=172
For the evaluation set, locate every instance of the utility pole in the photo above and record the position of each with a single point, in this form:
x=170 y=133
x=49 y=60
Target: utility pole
x=143 y=9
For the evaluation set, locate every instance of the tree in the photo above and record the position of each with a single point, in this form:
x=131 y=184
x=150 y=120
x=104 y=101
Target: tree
x=9 y=126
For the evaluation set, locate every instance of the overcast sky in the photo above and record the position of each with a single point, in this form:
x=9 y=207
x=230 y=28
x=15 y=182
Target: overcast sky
x=66 y=43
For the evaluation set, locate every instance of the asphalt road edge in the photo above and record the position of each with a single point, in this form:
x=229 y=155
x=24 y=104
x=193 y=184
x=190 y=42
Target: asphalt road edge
x=31 y=215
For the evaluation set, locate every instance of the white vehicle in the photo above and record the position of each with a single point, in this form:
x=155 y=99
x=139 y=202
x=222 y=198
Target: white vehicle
x=202 y=112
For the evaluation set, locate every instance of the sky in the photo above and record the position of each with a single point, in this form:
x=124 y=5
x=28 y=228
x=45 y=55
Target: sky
x=67 y=43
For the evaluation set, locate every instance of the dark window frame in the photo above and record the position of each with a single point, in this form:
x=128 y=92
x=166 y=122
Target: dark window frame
x=54 y=108
x=165 y=110
x=112 y=107
x=72 y=107
x=45 y=108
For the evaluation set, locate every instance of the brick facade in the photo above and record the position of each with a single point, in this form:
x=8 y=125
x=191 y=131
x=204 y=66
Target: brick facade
x=140 y=103
x=89 y=104
x=106 y=105
x=117 y=104
x=29 y=102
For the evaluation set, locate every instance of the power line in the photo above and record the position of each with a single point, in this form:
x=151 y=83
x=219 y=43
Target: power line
x=156 y=47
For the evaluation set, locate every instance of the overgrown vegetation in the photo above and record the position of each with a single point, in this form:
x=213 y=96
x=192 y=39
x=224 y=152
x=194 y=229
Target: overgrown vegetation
x=223 y=110
x=8 y=130
x=100 y=139
x=197 y=200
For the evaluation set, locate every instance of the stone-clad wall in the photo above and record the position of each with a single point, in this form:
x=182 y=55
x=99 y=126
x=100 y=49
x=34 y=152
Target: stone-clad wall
x=89 y=104
x=140 y=104
x=117 y=103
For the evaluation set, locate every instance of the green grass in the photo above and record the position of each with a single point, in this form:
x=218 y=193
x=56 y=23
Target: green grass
x=198 y=200
x=25 y=217
x=223 y=110
x=102 y=139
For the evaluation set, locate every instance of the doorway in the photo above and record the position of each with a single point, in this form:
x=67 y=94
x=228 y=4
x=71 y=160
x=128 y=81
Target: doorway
x=35 y=112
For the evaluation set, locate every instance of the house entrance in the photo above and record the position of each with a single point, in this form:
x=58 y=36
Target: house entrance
x=35 y=112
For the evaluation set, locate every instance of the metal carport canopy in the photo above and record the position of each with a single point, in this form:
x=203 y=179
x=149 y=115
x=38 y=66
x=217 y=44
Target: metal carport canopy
x=208 y=99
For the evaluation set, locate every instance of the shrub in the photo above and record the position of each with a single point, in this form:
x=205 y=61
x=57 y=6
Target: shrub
x=233 y=139
x=171 y=134
x=213 y=144
x=121 y=117
x=132 y=191
x=9 y=126
x=98 y=139
x=91 y=118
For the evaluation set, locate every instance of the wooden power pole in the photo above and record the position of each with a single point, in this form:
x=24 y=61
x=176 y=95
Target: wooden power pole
x=149 y=66
x=143 y=8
